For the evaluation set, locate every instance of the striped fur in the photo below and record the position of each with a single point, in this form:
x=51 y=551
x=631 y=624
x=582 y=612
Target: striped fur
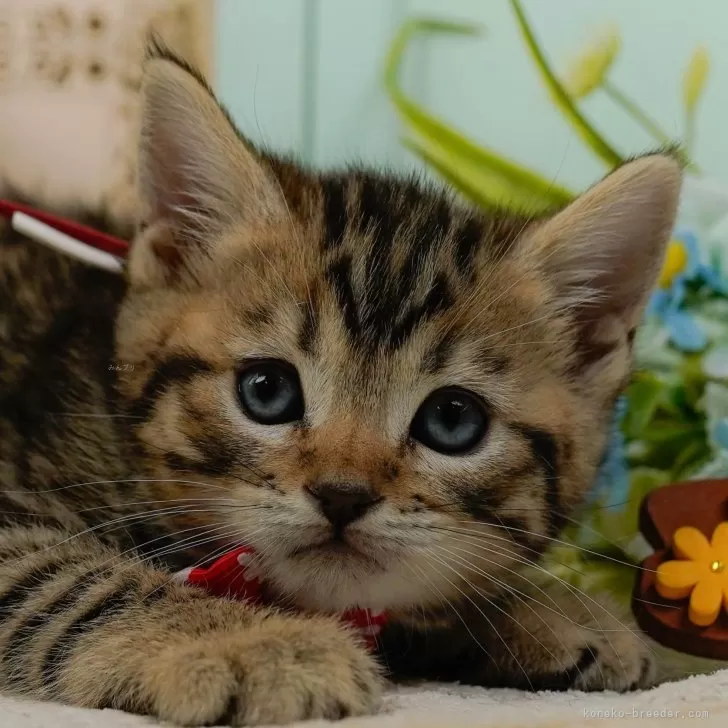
x=124 y=454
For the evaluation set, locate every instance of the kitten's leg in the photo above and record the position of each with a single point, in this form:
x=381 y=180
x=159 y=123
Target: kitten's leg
x=569 y=641
x=533 y=643
x=80 y=624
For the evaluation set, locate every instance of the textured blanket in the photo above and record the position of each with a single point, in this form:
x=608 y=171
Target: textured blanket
x=699 y=701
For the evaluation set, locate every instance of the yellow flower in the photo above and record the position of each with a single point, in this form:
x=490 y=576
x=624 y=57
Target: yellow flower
x=701 y=573
x=588 y=70
x=676 y=259
x=695 y=78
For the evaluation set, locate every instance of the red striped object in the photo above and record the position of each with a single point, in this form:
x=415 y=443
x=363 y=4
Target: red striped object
x=94 y=238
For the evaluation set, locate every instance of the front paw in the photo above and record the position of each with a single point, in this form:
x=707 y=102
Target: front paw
x=574 y=642
x=619 y=661
x=275 y=671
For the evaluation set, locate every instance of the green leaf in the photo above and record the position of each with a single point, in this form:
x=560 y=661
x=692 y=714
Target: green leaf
x=644 y=395
x=479 y=172
x=483 y=186
x=609 y=577
x=693 y=456
x=588 y=71
x=695 y=78
x=662 y=432
x=619 y=524
x=593 y=139
x=694 y=82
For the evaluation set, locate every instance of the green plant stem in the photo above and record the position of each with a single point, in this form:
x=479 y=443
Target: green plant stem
x=689 y=129
x=633 y=109
x=487 y=177
x=561 y=97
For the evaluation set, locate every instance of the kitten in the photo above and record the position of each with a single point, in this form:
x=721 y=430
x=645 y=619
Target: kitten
x=396 y=399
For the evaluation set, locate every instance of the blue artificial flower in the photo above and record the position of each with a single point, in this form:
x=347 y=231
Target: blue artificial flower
x=682 y=264
x=720 y=432
x=713 y=276
x=612 y=481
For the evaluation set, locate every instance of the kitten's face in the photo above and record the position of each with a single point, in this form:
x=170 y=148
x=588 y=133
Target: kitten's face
x=396 y=400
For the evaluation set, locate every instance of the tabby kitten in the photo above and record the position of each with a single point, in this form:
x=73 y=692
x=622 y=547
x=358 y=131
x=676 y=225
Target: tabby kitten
x=396 y=399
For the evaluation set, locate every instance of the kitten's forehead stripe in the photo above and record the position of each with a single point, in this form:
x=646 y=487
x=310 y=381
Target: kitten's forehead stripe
x=308 y=332
x=396 y=273
x=377 y=214
x=339 y=275
x=437 y=221
x=335 y=211
x=438 y=299
x=468 y=236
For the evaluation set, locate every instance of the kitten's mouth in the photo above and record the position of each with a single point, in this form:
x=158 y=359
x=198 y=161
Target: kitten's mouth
x=336 y=546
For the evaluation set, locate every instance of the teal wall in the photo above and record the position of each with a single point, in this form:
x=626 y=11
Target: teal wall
x=305 y=76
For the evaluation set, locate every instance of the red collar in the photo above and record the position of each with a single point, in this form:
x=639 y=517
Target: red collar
x=89 y=236
x=232 y=576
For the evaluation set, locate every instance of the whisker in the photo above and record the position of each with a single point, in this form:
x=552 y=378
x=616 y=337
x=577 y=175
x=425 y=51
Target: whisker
x=553 y=539
x=228 y=502
x=216 y=553
x=428 y=582
x=520 y=326
x=483 y=614
x=519 y=596
x=119 y=523
x=440 y=507
x=492 y=537
x=213 y=533
x=95 y=415
x=503 y=552
x=185 y=543
x=115 y=482
x=578 y=594
x=219 y=471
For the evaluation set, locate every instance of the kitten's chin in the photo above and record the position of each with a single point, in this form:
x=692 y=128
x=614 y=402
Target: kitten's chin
x=333 y=576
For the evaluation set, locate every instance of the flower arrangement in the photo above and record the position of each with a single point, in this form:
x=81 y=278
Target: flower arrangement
x=672 y=423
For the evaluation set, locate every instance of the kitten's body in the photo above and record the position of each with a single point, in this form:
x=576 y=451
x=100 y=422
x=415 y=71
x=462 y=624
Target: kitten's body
x=116 y=400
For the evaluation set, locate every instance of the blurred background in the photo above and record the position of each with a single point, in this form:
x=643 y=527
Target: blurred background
x=305 y=75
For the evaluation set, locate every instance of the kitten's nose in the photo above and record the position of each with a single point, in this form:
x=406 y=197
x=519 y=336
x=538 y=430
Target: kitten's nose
x=343 y=502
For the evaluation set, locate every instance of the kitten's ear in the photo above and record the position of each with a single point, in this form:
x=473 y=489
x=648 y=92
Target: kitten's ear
x=603 y=253
x=196 y=175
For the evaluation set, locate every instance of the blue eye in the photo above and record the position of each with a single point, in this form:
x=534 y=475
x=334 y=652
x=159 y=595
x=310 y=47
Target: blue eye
x=270 y=392
x=450 y=421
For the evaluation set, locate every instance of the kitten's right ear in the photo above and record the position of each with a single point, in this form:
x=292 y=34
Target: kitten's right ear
x=197 y=176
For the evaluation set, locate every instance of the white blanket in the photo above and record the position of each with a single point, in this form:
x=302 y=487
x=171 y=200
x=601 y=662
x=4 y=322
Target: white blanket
x=695 y=701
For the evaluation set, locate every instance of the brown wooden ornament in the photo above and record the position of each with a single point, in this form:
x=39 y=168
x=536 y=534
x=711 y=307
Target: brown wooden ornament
x=702 y=504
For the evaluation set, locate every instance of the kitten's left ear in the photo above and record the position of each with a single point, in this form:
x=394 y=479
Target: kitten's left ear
x=603 y=253
x=196 y=175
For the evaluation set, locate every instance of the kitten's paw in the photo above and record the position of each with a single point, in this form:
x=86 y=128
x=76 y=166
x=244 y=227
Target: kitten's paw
x=574 y=643
x=619 y=661
x=277 y=671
